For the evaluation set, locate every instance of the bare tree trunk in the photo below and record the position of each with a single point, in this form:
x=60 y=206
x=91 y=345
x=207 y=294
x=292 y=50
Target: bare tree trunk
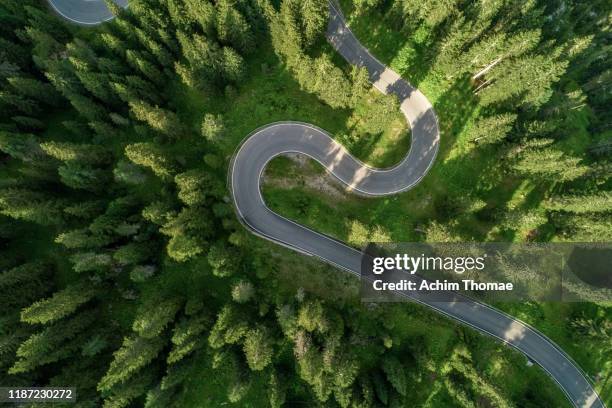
x=481 y=86
x=487 y=68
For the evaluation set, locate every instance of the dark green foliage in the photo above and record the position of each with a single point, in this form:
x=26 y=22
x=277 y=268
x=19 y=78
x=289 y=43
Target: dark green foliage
x=116 y=223
x=52 y=344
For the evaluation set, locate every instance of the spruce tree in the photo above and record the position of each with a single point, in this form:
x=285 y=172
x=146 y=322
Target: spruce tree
x=61 y=304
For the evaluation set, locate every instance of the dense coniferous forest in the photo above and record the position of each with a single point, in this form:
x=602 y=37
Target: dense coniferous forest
x=126 y=274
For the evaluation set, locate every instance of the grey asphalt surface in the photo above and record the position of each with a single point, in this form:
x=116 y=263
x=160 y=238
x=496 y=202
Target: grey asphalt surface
x=84 y=12
x=260 y=147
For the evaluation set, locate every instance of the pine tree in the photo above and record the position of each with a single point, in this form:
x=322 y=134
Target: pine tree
x=135 y=353
x=23 y=147
x=159 y=119
x=140 y=273
x=212 y=128
x=195 y=185
x=23 y=284
x=528 y=77
x=549 y=163
x=97 y=84
x=163 y=56
x=187 y=337
x=81 y=176
x=133 y=253
x=238 y=388
x=580 y=204
x=229 y=328
x=54 y=343
x=311 y=316
x=394 y=371
x=154 y=315
x=276 y=390
x=223 y=260
x=138 y=61
x=232 y=27
x=81 y=238
x=83 y=153
x=21 y=103
x=87 y=107
x=243 y=291
x=133 y=88
x=61 y=304
x=148 y=155
x=492 y=129
x=314 y=16
x=232 y=65
x=30 y=206
x=35 y=89
x=258 y=348
x=90 y=261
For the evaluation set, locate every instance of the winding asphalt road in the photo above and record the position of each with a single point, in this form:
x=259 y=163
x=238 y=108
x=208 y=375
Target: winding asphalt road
x=260 y=147
x=264 y=144
x=84 y=12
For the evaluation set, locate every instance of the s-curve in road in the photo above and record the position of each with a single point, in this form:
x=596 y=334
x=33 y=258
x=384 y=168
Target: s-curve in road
x=260 y=147
x=85 y=12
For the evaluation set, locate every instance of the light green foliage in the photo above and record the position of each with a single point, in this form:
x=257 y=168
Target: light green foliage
x=75 y=152
x=229 y=328
x=172 y=87
x=547 y=162
x=187 y=336
x=580 y=204
x=314 y=20
x=238 y=388
x=258 y=348
x=135 y=353
x=492 y=129
x=212 y=127
x=187 y=231
x=148 y=155
x=531 y=77
x=316 y=75
x=157 y=118
x=311 y=317
x=154 y=315
x=60 y=305
x=243 y=292
x=144 y=65
x=459 y=363
x=195 y=185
